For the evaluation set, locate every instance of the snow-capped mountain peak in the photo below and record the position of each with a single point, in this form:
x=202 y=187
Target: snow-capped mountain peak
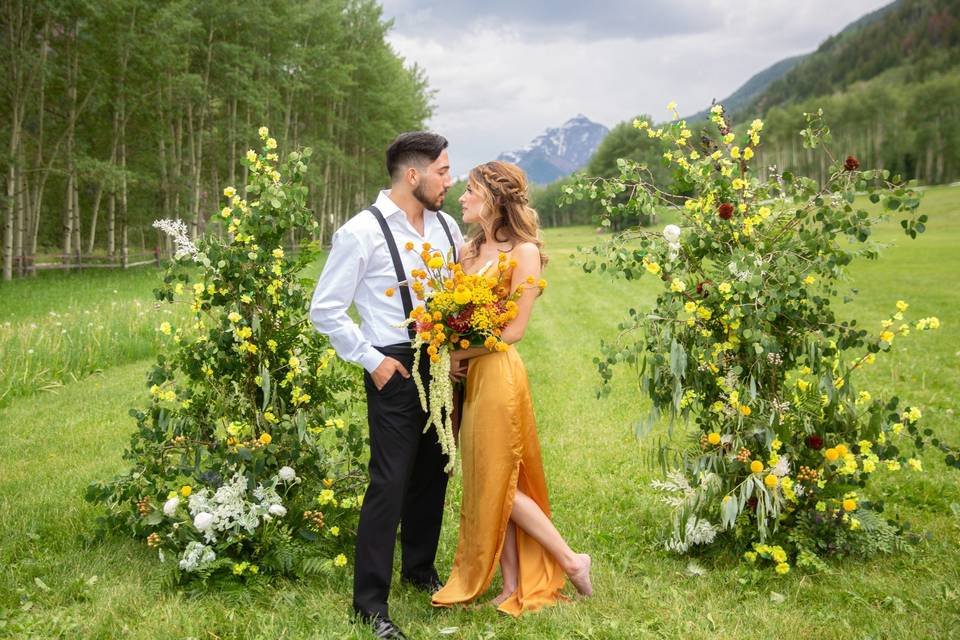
x=558 y=151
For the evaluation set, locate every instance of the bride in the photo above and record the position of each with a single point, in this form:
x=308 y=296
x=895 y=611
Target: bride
x=505 y=512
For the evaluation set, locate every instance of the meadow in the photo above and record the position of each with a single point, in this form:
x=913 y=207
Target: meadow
x=74 y=350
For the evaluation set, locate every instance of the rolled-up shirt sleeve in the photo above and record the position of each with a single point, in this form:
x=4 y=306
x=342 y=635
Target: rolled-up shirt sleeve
x=333 y=296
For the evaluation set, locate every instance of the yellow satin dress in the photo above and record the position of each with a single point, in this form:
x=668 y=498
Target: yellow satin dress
x=499 y=454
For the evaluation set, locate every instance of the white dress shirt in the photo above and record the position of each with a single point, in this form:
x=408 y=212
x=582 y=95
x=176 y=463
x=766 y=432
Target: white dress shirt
x=359 y=270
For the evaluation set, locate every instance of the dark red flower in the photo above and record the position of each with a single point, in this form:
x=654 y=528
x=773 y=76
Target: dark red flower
x=852 y=164
x=725 y=210
x=702 y=287
x=815 y=442
x=461 y=321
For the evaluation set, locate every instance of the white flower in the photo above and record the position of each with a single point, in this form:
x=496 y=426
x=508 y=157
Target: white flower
x=277 y=510
x=170 y=507
x=203 y=521
x=287 y=474
x=672 y=233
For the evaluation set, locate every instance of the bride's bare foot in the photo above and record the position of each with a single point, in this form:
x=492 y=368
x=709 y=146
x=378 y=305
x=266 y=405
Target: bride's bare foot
x=503 y=597
x=580 y=577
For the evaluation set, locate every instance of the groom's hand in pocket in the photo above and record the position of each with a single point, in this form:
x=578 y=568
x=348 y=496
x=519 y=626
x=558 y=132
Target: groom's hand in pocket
x=382 y=374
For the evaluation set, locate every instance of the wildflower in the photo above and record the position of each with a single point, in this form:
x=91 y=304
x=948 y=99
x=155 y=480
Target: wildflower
x=849 y=504
x=389 y=292
x=831 y=454
x=809 y=280
x=915 y=464
x=652 y=267
x=677 y=286
x=782 y=568
x=340 y=560
x=738 y=184
x=271 y=143
x=287 y=474
x=334 y=531
x=325 y=497
x=265 y=438
x=203 y=521
x=713 y=438
x=750 y=556
x=770 y=480
x=725 y=210
x=435 y=262
x=277 y=253
x=747 y=153
x=671 y=233
x=886 y=336
x=186 y=490
x=233 y=316
x=277 y=510
x=745 y=410
x=756 y=466
x=165 y=328
x=263 y=132
x=851 y=163
x=170 y=506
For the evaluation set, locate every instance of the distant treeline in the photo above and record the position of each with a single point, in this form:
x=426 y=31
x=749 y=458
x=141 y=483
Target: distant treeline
x=890 y=92
x=118 y=112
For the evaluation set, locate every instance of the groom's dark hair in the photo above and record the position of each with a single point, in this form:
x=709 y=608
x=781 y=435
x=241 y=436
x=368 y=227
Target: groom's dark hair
x=418 y=148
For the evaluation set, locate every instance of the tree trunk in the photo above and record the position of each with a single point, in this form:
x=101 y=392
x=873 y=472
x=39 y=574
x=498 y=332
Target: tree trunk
x=93 y=216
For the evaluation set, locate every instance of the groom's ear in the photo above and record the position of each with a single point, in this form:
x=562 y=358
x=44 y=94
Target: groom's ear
x=412 y=175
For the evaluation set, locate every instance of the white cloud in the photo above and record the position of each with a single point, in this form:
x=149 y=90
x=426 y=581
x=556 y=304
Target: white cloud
x=501 y=82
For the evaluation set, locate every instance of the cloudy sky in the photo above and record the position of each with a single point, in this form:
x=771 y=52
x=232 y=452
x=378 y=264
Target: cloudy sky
x=505 y=70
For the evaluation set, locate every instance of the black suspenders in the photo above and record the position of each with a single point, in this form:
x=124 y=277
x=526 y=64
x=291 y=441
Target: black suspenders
x=398 y=264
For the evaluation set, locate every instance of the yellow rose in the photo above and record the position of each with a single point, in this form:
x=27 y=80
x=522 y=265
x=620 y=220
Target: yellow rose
x=713 y=438
x=831 y=454
x=849 y=504
x=265 y=438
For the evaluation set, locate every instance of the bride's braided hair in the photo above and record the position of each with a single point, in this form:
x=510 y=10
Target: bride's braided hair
x=503 y=186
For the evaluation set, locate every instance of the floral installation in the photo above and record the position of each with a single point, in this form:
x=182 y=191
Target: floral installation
x=248 y=458
x=460 y=311
x=743 y=339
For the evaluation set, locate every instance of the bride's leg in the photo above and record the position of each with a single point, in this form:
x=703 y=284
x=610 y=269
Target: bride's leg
x=509 y=565
x=528 y=515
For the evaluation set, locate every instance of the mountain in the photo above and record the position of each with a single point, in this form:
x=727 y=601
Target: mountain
x=754 y=88
x=558 y=152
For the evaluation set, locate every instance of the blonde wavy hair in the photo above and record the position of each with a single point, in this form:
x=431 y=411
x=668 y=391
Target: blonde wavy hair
x=503 y=187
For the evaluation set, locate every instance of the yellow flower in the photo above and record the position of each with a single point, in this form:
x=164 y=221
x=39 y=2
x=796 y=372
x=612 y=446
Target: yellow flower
x=334 y=531
x=251 y=155
x=782 y=568
x=915 y=464
x=265 y=438
x=778 y=555
x=263 y=132
x=389 y=292
x=756 y=466
x=325 y=497
x=672 y=106
x=747 y=153
x=735 y=153
x=842 y=449
x=233 y=316
x=849 y=504
x=435 y=262
x=901 y=305
x=186 y=490
x=340 y=560
x=831 y=454
x=678 y=286
x=750 y=556
x=745 y=410
x=271 y=143
x=229 y=192
x=652 y=267
x=809 y=280
x=165 y=328
x=738 y=184
x=770 y=481
x=690 y=307
x=269 y=417
x=724 y=288
x=713 y=438
x=776 y=444
x=893 y=465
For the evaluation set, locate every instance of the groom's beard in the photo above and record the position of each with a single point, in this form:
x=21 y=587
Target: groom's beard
x=424 y=199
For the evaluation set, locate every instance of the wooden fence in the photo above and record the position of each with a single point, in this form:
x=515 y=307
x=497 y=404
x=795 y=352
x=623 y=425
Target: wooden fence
x=27 y=265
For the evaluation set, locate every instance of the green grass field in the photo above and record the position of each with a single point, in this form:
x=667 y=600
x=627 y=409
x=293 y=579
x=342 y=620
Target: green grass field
x=57 y=583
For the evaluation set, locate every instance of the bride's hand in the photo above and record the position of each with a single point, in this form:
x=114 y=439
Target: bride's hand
x=458 y=369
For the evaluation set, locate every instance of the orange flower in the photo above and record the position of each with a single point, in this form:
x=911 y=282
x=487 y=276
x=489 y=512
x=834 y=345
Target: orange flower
x=426 y=246
x=389 y=292
x=408 y=246
x=464 y=344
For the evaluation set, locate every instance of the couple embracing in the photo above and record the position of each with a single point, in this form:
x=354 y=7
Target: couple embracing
x=505 y=511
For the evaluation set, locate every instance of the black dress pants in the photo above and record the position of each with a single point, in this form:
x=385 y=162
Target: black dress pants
x=407 y=488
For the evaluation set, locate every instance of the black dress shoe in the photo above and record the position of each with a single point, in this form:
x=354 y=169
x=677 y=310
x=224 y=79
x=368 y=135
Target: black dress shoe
x=430 y=586
x=383 y=628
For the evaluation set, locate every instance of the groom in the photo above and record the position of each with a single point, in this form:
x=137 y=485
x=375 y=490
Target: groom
x=369 y=256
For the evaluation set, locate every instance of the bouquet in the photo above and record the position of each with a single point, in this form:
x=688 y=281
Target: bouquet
x=459 y=311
